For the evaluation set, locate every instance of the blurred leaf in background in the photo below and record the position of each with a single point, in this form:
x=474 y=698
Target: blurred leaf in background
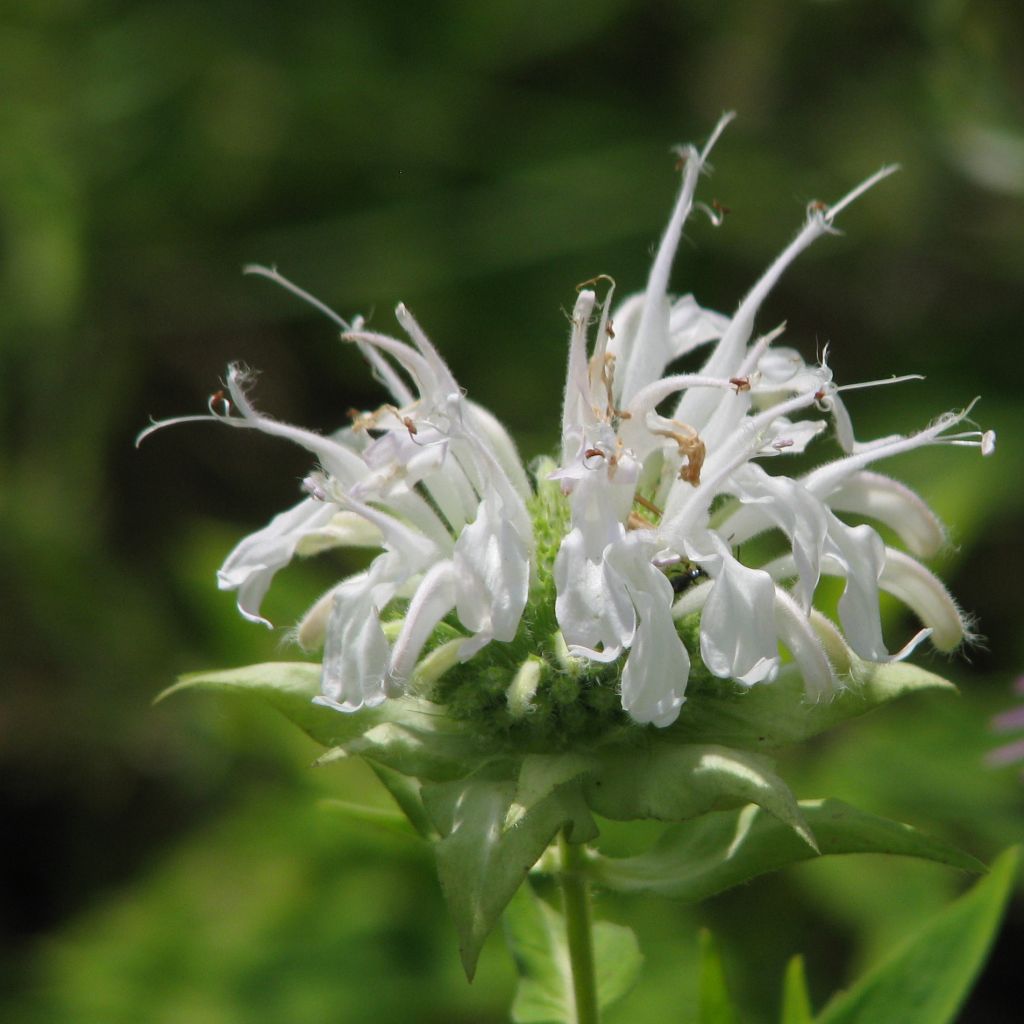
x=475 y=161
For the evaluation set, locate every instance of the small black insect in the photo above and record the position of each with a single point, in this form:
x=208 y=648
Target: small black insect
x=683 y=575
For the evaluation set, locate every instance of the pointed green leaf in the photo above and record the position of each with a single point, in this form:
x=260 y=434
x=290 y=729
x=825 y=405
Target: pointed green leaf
x=927 y=979
x=720 y=850
x=290 y=686
x=540 y=775
x=796 y=1001
x=536 y=936
x=380 y=817
x=777 y=714
x=438 y=756
x=674 y=783
x=714 y=1004
x=406 y=792
x=480 y=863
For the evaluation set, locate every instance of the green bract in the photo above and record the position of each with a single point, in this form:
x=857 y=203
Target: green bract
x=491 y=810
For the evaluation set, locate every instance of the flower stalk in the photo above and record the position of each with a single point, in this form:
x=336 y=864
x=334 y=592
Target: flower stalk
x=572 y=879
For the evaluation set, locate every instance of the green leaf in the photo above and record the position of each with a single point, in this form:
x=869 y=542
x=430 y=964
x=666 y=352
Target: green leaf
x=714 y=1004
x=480 y=863
x=290 y=686
x=406 y=792
x=927 y=979
x=726 y=848
x=437 y=756
x=380 y=817
x=674 y=783
x=536 y=936
x=540 y=775
x=778 y=714
x=796 y=1001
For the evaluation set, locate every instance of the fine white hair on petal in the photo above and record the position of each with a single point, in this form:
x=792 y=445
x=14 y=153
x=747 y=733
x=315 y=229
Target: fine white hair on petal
x=893 y=503
x=312 y=628
x=922 y=592
x=827 y=479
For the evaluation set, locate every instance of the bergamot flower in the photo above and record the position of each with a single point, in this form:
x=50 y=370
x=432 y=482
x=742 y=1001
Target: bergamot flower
x=603 y=583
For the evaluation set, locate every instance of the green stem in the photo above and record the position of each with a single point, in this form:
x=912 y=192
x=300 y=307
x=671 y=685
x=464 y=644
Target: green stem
x=579 y=930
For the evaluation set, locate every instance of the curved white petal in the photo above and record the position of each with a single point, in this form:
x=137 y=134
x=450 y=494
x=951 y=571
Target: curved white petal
x=483 y=422
x=492 y=574
x=355 y=649
x=656 y=671
x=690 y=326
x=787 y=505
x=922 y=592
x=737 y=628
x=252 y=564
x=861 y=553
x=433 y=600
x=592 y=607
x=796 y=633
x=344 y=529
x=894 y=504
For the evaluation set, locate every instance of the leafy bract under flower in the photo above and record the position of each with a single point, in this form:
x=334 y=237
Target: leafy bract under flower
x=593 y=593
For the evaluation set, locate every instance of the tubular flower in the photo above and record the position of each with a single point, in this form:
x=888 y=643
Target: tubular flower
x=618 y=569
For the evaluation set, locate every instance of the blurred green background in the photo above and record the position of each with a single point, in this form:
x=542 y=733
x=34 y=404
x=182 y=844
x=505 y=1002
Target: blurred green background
x=475 y=161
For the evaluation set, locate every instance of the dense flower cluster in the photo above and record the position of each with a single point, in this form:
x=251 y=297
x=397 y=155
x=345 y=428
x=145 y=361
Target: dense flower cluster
x=665 y=479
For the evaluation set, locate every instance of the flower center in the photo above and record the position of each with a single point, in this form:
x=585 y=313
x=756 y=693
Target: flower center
x=530 y=694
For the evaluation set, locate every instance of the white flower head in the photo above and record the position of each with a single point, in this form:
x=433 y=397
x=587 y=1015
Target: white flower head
x=627 y=564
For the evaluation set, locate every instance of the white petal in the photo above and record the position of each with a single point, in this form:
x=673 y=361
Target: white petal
x=861 y=553
x=312 y=628
x=690 y=326
x=438 y=367
x=796 y=633
x=338 y=459
x=485 y=423
x=656 y=671
x=800 y=515
x=650 y=351
x=345 y=529
x=576 y=402
x=593 y=609
x=894 y=504
x=727 y=357
x=355 y=650
x=827 y=479
x=924 y=594
x=492 y=574
x=433 y=600
x=253 y=563
x=737 y=628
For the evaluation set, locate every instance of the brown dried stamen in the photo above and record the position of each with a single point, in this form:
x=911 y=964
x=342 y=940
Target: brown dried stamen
x=691 y=447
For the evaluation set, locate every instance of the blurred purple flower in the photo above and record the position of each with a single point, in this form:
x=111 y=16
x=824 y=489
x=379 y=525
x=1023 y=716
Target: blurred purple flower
x=1008 y=721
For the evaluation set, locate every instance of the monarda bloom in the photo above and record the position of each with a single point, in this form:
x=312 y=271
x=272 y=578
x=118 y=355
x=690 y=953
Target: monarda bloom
x=626 y=629
x=608 y=578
